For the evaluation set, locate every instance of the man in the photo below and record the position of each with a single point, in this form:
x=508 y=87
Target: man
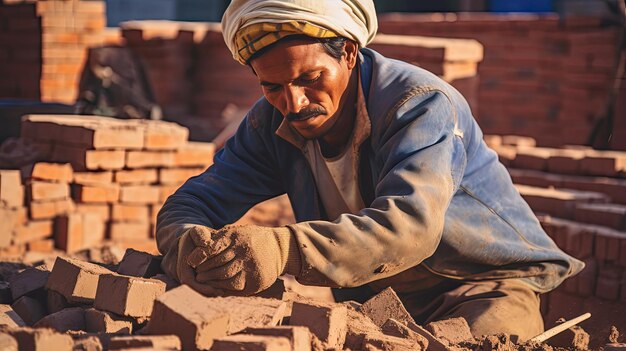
x=388 y=175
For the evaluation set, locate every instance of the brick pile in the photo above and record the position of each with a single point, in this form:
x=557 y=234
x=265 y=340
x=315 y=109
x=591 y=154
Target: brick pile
x=454 y=60
x=542 y=76
x=580 y=197
x=79 y=305
x=43 y=46
x=99 y=178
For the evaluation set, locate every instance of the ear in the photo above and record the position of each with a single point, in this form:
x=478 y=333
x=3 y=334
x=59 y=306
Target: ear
x=351 y=50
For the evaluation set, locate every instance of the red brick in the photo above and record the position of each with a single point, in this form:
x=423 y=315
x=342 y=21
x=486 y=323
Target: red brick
x=55 y=172
x=10 y=219
x=137 y=176
x=149 y=159
x=139 y=264
x=251 y=343
x=88 y=131
x=102 y=210
x=532 y=158
x=9 y=317
x=139 y=194
x=130 y=213
x=299 y=337
x=48 y=191
x=326 y=321
x=29 y=309
x=65 y=320
x=89 y=160
x=565 y=161
x=195 y=154
x=125 y=231
x=177 y=176
x=30 y=281
x=394 y=328
x=50 y=209
x=610 y=215
x=101 y=193
x=127 y=296
x=160 y=135
x=33 y=231
x=11 y=189
x=157 y=342
x=186 y=313
x=78 y=231
x=385 y=305
x=559 y=203
x=104 y=322
x=43 y=245
x=93 y=178
x=452 y=330
x=42 y=339
x=76 y=280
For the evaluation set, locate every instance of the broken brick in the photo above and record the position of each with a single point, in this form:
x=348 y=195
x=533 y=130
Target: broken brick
x=250 y=311
x=76 y=280
x=11 y=189
x=65 y=320
x=452 y=330
x=251 y=343
x=139 y=264
x=104 y=322
x=10 y=318
x=159 y=342
x=31 y=310
x=385 y=305
x=299 y=337
x=326 y=321
x=41 y=339
x=358 y=326
x=127 y=296
x=499 y=342
x=185 y=313
x=388 y=343
x=394 y=328
x=434 y=344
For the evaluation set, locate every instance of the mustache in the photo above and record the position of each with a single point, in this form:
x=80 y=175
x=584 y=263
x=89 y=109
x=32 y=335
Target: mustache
x=306 y=113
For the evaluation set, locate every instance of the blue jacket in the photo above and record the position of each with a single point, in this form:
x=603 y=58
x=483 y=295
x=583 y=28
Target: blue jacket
x=436 y=195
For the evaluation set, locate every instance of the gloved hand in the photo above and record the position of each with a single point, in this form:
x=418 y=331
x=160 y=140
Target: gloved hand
x=244 y=260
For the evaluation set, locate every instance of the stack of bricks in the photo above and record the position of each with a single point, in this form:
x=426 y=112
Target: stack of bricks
x=580 y=196
x=101 y=178
x=454 y=60
x=165 y=49
x=43 y=46
x=84 y=306
x=542 y=76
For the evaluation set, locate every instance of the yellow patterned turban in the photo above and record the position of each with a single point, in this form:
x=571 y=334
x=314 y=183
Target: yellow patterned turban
x=250 y=25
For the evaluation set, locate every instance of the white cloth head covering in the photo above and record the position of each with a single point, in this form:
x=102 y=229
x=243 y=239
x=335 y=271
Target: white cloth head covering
x=353 y=19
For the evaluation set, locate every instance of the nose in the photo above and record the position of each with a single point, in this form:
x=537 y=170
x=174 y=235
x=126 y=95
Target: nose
x=296 y=99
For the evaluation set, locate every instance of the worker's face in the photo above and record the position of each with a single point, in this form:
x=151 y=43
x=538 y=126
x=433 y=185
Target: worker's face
x=306 y=84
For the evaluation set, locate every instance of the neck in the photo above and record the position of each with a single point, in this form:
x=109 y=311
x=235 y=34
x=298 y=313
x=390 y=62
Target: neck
x=334 y=142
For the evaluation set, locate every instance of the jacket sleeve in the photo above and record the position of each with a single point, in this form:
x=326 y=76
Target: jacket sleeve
x=242 y=175
x=422 y=160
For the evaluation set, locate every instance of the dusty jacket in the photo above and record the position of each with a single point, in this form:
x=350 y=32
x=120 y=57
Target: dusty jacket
x=435 y=193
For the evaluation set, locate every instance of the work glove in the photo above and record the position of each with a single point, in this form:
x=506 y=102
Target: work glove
x=244 y=260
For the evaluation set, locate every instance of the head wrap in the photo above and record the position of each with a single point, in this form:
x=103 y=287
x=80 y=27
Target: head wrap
x=250 y=25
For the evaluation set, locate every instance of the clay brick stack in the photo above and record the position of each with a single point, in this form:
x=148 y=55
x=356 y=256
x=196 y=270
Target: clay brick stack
x=580 y=195
x=165 y=49
x=454 y=60
x=44 y=44
x=542 y=76
x=75 y=304
x=101 y=178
